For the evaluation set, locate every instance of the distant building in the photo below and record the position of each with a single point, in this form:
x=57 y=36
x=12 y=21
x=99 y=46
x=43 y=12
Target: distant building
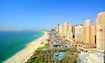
x=61 y=30
x=69 y=32
x=69 y=35
x=79 y=33
x=90 y=33
x=100 y=31
x=66 y=28
x=57 y=28
x=73 y=30
x=87 y=22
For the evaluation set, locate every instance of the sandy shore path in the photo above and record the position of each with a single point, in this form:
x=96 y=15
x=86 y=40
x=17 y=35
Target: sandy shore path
x=25 y=54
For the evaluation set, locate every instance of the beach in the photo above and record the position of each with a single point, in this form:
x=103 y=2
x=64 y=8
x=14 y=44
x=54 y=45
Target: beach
x=27 y=52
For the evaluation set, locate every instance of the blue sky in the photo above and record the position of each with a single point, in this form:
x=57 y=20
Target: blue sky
x=45 y=14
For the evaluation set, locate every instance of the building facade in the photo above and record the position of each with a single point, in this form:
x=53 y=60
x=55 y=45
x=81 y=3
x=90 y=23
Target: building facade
x=66 y=28
x=57 y=28
x=100 y=31
x=69 y=32
x=79 y=33
x=90 y=33
x=61 y=29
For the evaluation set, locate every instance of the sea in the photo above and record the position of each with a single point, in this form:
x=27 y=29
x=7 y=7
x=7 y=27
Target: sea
x=13 y=42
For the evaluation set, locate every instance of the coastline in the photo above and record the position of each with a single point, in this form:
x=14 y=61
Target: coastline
x=26 y=53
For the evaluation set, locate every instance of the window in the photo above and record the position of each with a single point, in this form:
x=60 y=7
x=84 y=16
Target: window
x=101 y=30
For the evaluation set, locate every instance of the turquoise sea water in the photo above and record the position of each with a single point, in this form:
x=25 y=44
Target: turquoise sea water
x=13 y=42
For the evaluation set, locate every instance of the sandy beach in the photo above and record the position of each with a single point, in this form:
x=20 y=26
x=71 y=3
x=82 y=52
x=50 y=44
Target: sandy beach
x=25 y=54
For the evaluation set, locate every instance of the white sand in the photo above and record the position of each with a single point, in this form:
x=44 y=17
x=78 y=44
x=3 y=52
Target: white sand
x=26 y=53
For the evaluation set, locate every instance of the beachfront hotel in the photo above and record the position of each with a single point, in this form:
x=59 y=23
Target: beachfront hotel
x=61 y=27
x=79 y=33
x=66 y=29
x=100 y=31
x=92 y=38
x=70 y=33
x=57 y=28
x=85 y=33
x=99 y=56
x=90 y=33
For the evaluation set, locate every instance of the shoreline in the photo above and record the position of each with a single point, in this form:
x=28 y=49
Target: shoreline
x=23 y=55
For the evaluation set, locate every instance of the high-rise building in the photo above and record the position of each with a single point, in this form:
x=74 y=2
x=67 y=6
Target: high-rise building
x=66 y=28
x=69 y=32
x=100 y=31
x=73 y=30
x=57 y=28
x=87 y=22
x=79 y=33
x=90 y=33
x=61 y=30
x=69 y=35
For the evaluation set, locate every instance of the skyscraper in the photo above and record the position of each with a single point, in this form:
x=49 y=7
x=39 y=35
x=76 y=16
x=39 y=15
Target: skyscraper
x=90 y=33
x=57 y=28
x=100 y=31
x=61 y=30
x=66 y=28
x=79 y=33
x=69 y=32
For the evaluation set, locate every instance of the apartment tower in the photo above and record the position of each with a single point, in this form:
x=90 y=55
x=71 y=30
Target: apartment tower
x=61 y=29
x=79 y=33
x=90 y=33
x=66 y=28
x=57 y=28
x=100 y=31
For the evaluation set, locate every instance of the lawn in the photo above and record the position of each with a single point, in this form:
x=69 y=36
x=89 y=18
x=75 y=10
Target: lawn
x=41 y=48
